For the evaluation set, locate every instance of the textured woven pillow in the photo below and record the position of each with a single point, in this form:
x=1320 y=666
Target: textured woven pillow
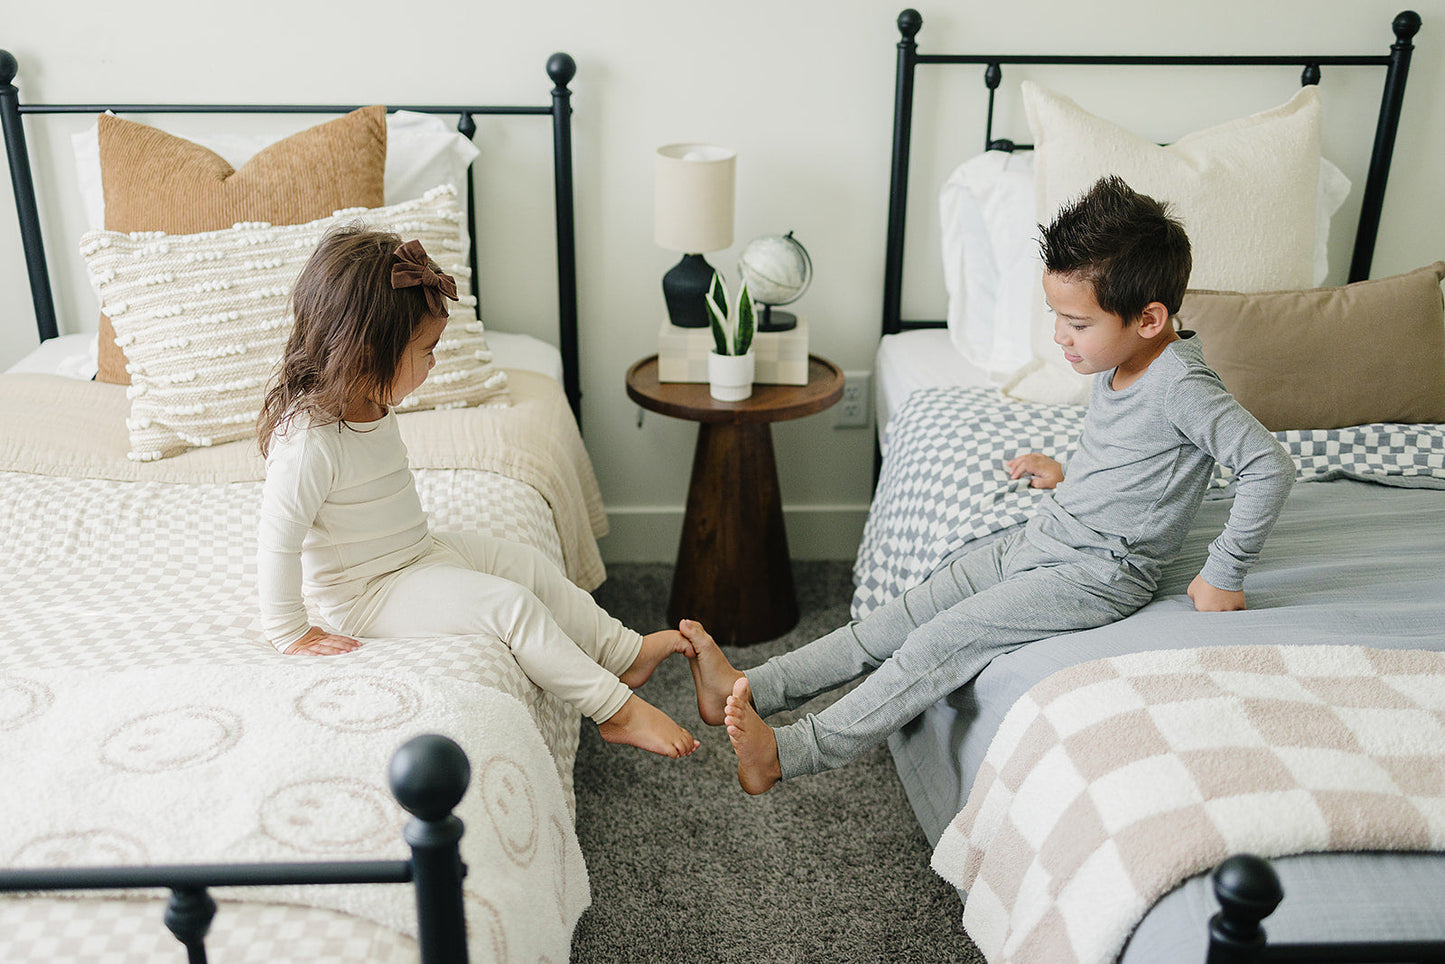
x=155 y=181
x=204 y=320
x=1372 y=351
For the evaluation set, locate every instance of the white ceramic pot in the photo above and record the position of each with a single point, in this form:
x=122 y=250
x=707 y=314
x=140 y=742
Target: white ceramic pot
x=730 y=377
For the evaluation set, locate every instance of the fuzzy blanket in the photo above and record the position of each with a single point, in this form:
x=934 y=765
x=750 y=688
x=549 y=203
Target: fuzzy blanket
x=287 y=762
x=1111 y=782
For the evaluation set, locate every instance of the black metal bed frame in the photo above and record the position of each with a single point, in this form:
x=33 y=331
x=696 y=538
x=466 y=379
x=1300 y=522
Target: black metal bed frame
x=561 y=68
x=1248 y=890
x=428 y=775
x=1396 y=64
x=1247 y=887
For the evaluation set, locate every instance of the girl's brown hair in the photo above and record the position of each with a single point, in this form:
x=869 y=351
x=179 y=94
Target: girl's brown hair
x=351 y=328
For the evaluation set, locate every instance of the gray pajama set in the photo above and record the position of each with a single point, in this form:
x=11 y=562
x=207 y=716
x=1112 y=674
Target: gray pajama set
x=1090 y=556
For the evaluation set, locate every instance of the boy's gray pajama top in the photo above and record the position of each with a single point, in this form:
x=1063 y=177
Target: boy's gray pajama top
x=1090 y=556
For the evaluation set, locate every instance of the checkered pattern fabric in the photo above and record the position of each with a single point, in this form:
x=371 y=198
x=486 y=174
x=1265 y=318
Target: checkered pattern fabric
x=125 y=576
x=1110 y=782
x=945 y=483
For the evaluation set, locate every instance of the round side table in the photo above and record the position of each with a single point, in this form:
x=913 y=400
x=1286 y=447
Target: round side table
x=733 y=572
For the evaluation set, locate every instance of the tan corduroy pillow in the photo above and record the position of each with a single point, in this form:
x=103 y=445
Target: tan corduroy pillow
x=154 y=181
x=1372 y=351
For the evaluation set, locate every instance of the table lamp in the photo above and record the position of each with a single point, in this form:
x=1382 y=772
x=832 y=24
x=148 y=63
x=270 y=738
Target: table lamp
x=692 y=213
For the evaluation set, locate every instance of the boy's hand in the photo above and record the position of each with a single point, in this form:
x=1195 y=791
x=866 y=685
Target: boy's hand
x=318 y=642
x=1211 y=599
x=1045 y=471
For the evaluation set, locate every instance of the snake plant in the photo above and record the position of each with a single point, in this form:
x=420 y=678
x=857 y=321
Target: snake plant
x=737 y=322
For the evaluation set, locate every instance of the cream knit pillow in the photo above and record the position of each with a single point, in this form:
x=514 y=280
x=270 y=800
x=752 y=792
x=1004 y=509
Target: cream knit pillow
x=204 y=318
x=1245 y=191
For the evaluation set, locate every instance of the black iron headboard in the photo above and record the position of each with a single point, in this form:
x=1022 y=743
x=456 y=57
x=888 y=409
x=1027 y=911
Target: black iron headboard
x=1396 y=64
x=561 y=68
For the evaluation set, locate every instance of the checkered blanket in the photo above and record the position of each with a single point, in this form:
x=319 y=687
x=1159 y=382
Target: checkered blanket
x=944 y=481
x=1110 y=782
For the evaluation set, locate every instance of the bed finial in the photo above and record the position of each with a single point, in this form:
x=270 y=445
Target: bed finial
x=910 y=21
x=9 y=67
x=428 y=775
x=561 y=68
x=1248 y=891
x=1406 y=25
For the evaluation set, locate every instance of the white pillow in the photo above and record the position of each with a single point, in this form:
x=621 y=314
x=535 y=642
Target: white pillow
x=204 y=318
x=1245 y=191
x=422 y=151
x=990 y=229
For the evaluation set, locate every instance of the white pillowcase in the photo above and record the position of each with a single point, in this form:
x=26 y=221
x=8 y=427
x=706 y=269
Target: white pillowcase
x=422 y=151
x=1246 y=190
x=204 y=319
x=990 y=228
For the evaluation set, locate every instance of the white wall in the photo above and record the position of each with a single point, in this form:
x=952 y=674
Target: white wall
x=801 y=88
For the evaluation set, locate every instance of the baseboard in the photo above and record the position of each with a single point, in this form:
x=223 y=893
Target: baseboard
x=650 y=534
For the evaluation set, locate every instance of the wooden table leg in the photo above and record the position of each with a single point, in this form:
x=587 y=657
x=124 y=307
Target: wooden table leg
x=733 y=572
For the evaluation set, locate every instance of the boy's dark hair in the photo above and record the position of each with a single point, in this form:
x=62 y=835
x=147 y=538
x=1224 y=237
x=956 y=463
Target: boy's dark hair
x=1126 y=244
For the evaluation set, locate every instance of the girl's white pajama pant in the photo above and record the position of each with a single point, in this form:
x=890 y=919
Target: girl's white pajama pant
x=471 y=583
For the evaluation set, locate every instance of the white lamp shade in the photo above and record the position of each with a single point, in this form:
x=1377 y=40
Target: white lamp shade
x=693 y=197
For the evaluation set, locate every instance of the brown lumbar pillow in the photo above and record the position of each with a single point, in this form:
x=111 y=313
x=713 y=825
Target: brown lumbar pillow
x=1372 y=351
x=154 y=181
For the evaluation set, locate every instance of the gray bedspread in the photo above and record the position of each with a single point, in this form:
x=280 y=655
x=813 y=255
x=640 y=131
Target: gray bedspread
x=1348 y=563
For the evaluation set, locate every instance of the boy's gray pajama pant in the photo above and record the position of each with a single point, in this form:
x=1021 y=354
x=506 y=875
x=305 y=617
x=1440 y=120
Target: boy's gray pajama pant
x=926 y=643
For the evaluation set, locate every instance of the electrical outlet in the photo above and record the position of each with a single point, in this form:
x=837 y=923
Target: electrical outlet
x=853 y=408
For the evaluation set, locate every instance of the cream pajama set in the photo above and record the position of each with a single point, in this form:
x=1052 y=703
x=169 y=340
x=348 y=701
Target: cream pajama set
x=342 y=525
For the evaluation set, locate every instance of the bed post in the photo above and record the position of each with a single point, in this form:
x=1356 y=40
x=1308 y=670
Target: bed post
x=428 y=776
x=1248 y=891
x=24 y=189
x=1406 y=25
x=562 y=68
x=909 y=23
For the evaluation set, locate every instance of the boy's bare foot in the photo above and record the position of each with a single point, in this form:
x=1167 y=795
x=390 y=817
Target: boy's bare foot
x=753 y=741
x=656 y=647
x=712 y=674
x=644 y=726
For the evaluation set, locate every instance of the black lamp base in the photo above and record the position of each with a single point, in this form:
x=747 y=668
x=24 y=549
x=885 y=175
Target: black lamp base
x=770 y=320
x=685 y=288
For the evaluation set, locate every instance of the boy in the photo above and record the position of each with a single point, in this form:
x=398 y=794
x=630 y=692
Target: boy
x=1115 y=269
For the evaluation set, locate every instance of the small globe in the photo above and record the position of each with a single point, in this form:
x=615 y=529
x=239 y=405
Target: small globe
x=777 y=269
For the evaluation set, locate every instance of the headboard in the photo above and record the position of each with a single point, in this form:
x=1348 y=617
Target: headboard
x=561 y=68
x=1396 y=64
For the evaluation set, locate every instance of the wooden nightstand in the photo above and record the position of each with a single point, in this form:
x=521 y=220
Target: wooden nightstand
x=733 y=572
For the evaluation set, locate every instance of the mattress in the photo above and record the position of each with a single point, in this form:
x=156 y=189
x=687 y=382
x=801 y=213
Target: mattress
x=910 y=360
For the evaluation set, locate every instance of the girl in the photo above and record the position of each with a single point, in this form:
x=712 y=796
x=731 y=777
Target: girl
x=340 y=516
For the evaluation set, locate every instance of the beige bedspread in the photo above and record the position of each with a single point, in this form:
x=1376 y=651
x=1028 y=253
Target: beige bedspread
x=50 y=425
x=1111 y=782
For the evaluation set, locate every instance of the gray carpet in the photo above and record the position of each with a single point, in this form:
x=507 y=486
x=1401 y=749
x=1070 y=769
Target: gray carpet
x=686 y=867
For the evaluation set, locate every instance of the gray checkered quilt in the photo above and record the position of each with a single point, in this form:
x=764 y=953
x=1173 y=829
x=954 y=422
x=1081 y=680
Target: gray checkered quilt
x=944 y=482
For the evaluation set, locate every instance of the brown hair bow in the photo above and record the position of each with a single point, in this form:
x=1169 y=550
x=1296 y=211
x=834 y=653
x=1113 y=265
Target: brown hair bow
x=413 y=268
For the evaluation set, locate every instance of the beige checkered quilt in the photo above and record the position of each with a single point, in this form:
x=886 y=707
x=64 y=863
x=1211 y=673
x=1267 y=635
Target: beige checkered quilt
x=133 y=602
x=1111 y=782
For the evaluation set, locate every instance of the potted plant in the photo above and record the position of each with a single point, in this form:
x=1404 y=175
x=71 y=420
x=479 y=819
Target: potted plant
x=730 y=362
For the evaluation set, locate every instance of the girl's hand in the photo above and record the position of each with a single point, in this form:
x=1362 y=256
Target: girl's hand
x=1212 y=599
x=318 y=642
x=1045 y=471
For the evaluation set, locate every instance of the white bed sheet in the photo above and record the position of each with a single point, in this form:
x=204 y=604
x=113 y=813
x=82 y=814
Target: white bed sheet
x=910 y=360
x=74 y=356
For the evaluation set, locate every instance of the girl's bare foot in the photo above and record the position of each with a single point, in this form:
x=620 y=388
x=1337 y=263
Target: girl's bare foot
x=644 y=726
x=753 y=741
x=656 y=647
x=712 y=674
